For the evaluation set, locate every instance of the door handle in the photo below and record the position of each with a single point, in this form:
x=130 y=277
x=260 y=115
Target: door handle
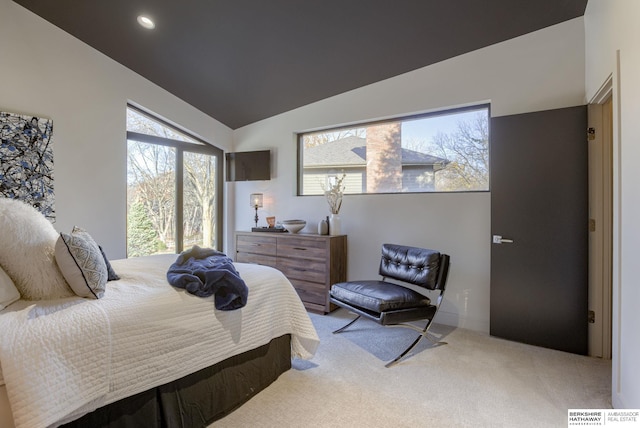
x=498 y=239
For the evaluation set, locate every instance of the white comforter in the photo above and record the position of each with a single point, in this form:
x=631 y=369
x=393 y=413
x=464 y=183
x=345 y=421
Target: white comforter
x=63 y=358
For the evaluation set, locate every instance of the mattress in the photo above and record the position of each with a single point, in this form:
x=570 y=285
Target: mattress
x=61 y=359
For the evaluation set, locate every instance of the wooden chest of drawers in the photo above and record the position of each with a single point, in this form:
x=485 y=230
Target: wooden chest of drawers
x=311 y=262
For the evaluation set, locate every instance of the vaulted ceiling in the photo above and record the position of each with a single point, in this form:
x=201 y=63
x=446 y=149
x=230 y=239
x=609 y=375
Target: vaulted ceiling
x=241 y=61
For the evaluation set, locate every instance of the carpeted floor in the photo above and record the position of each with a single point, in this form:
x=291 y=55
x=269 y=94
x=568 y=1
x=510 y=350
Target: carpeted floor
x=473 y=381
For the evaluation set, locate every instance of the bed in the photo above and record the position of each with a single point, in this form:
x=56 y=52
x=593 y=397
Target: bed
x=146 y=352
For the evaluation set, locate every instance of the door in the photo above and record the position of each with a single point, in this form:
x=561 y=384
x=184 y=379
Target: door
x=600 y=227
x=539 y=201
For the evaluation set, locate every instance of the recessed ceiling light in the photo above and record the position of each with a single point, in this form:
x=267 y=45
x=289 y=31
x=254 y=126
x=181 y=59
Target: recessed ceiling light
x=146 y=22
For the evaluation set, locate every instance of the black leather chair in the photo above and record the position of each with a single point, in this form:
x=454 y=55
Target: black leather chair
x=390 y=303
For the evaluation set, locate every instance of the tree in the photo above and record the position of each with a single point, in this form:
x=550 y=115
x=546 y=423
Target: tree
x=142 y=238
x=199 y=196
x=319 y=138
x=467 y=150
x=152 y=184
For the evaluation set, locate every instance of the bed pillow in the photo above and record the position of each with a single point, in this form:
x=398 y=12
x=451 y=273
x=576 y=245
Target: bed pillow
x=111 y=274
x=82 y=263
x=27 y=253
x=8 y=291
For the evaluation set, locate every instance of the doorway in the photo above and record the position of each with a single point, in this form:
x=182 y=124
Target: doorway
x=600 y=140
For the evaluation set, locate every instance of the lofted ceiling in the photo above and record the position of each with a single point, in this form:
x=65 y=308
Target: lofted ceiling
x=241 y=61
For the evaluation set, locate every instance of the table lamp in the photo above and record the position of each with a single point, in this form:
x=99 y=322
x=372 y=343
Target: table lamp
x=255 y=200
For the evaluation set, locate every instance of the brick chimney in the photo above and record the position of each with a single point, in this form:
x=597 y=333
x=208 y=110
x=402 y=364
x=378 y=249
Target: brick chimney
x=384 y=158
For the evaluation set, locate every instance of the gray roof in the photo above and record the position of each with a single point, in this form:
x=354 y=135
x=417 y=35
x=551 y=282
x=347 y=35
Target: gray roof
x=352 y=151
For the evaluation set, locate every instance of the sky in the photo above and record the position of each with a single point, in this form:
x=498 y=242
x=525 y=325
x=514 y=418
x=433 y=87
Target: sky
x=424 y=129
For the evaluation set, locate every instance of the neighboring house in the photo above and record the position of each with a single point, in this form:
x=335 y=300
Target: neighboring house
x=349 y=156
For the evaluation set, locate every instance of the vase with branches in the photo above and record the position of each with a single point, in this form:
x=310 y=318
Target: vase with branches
x=334 y=193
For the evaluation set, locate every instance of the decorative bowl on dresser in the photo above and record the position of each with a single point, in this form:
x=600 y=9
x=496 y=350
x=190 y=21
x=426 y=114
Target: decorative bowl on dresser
x=294 y=226
x=311 y=262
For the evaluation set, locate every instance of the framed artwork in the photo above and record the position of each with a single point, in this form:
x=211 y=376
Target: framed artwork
x=26 y=161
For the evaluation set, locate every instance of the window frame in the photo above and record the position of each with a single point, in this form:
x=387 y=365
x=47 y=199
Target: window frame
x=180 y=148
x=400 y=118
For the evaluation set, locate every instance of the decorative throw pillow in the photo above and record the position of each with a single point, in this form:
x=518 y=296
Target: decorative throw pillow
x=27 y=253
x=8 y=291
x=82 y=263
x=111 y=274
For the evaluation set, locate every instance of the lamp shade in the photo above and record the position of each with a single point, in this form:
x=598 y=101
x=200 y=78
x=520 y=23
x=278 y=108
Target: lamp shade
x=256 y=200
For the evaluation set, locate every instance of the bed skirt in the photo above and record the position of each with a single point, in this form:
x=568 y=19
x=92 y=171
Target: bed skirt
x=199 y=399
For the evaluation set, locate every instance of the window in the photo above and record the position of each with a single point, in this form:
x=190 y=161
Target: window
x=174 y=188
x=446 y=151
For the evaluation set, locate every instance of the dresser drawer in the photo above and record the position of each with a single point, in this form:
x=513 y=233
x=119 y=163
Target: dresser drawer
x=256 y=245
x=307 y=270
x=310 y=292
x=259 y=259
x=307 y=248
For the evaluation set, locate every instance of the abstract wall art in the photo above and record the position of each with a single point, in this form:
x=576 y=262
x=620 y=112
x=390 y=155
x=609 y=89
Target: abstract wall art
x=26 y=161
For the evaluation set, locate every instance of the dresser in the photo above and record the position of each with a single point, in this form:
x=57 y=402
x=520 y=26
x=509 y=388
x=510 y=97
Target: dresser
x=311 y=262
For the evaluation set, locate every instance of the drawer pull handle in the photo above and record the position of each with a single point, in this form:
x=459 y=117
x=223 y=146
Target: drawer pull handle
x=300 y=248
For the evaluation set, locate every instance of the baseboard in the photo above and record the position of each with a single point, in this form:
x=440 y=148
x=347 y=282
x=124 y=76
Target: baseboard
x=454 y=320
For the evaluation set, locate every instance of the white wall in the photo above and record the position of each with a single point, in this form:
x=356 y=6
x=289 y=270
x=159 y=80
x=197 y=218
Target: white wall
x=44 y=71
x=611 y=39
x=539 y=71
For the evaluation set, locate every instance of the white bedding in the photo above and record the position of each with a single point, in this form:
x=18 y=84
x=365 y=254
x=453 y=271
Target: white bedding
x=63 y=358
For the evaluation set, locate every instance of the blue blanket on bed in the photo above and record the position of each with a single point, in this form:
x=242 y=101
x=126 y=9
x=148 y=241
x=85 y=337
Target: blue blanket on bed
x=205 y=272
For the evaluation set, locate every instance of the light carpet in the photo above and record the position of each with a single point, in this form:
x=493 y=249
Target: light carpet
x=475 y=380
